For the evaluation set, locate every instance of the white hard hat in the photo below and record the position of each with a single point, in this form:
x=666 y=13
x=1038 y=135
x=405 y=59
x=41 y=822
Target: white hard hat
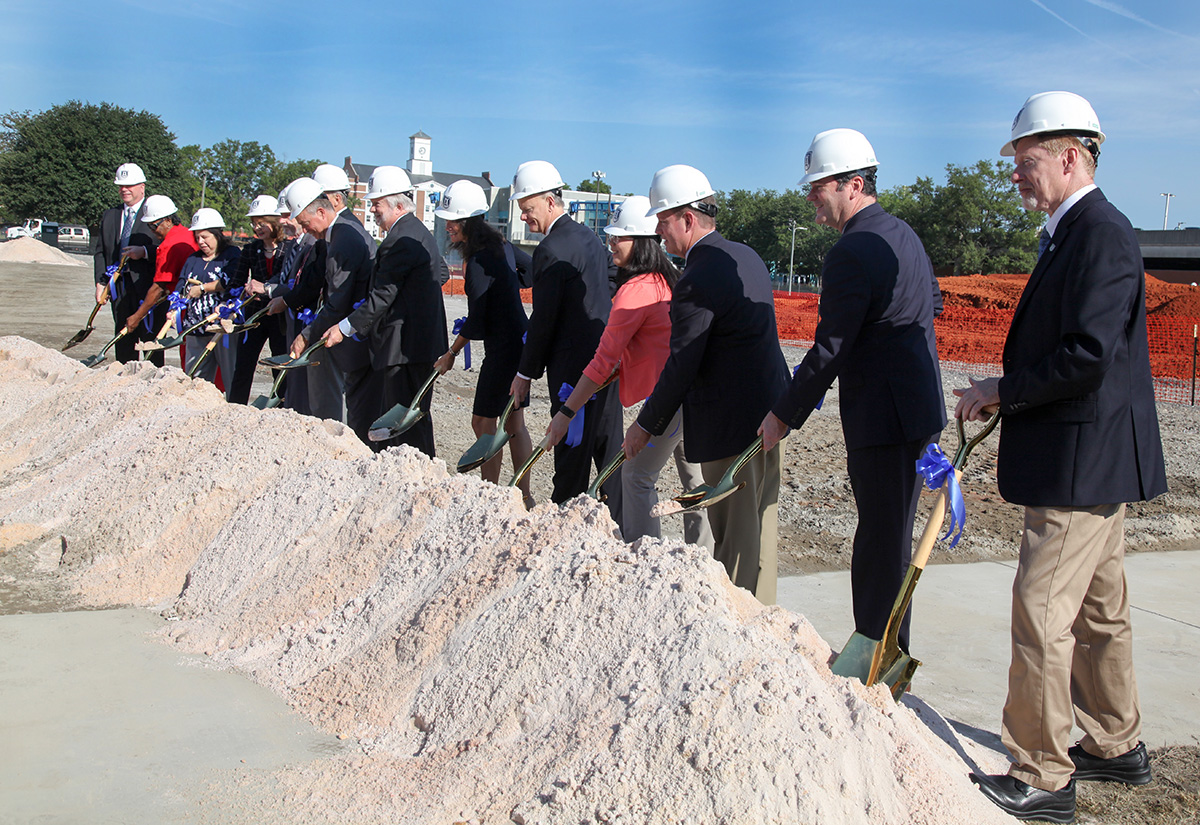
x=157 y=208
x=1054 y=112
x=631 y=218
x=129 y=174
x=301 y=192
x=207 y=218
x=387 y=180
x=462 y=199
x=533 y=177
x=282 y=201
x=677 y=185
x=835 y=151
x=331 y=178
x=262 y=206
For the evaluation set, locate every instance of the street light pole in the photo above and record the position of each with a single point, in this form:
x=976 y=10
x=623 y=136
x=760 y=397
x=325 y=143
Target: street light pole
x=599 y=176
x=792 y=262
x=1167 y=208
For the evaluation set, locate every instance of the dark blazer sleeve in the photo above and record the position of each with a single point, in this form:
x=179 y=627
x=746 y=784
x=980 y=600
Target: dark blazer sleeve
x=104 y=246
x=306 y=291
x=347 y=258
x=479 y=282
x=691 y=321
x=845 y=300
x=522 y=264
x=393 y=261
x=1097 y=299
x=550 y=274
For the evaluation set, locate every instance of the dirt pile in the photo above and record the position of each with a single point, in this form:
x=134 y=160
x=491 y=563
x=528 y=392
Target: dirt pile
x=33 y=251
x=493 y=664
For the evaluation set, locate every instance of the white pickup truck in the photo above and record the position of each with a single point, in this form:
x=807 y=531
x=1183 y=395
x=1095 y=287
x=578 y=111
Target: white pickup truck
x=32 y=228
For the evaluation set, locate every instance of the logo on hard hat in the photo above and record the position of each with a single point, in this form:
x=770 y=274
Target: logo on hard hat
x=616 y=215
x=807 y=160
x=1017 y=119
x=123 y=173
x=445 y=201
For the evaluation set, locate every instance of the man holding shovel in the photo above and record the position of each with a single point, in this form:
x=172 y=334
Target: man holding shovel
x=124 y=233
x=1079 y=438
x=876 y=337
x=404 y=315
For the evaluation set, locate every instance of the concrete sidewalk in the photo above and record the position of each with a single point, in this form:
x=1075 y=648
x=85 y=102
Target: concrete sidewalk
x=960 y=633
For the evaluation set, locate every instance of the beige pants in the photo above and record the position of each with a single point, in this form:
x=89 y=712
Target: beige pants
x=745 y=526
x=1072 y=644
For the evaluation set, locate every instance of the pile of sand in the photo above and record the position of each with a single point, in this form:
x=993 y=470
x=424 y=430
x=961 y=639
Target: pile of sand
x=494 y=665
x=33 y=251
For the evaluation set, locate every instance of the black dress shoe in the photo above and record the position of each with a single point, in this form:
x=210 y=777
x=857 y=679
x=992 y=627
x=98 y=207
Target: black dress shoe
x=1023 y=801
x=1132 y=768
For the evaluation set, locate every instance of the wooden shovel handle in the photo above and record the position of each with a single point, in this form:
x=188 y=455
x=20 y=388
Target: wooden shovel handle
x=933 y=526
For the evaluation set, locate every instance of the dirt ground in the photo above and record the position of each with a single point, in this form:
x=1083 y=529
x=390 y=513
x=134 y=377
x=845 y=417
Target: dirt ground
x=47 y=304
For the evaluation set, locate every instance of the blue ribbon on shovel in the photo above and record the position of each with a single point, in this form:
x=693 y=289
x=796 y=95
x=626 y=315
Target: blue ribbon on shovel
x=178 y=305
x=575 y=428
x=937 y=470
x=459 y=323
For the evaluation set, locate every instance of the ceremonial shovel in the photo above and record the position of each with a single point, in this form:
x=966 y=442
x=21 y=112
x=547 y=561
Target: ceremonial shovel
x=93 y=360
x=266 y=402
x=706 y=495
x=79 y=337
x=605 y=474
x=538 y=452
x=287 y=362
x=399 y=419
x=486 y=446
x=873 y=661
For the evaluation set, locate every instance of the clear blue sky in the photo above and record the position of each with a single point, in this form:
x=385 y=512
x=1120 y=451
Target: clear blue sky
x=737 y=89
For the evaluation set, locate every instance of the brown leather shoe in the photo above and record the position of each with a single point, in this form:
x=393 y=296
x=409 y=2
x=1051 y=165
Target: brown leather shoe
x=1132 y=767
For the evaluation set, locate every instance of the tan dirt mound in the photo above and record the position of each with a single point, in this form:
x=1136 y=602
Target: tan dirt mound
x=494 y=665
x=33 y=251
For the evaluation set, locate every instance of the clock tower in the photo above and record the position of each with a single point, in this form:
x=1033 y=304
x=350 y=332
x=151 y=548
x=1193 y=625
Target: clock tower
x=419 y=162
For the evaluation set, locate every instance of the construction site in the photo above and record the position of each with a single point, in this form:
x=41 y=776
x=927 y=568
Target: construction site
x=211 y=613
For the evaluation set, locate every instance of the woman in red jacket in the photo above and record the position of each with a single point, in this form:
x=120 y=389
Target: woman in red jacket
x=638 y=337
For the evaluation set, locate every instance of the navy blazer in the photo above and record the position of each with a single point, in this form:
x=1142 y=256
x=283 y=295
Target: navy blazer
x=725 y=366
x=571 y=302
x=875 y=335
x=404 y=313
x=495 y=313
x=347 y=271
x=139 y=274
x=1080 y=428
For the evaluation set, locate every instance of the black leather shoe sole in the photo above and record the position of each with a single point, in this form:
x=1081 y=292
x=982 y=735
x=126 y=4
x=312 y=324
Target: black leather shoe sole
x=1131 y=768
x=1025 y=803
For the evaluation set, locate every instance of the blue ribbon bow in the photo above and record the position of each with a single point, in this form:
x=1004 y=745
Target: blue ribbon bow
x=937 y=470
x=575 y=428
x=357 y=304
x=459 y=323
x=306 y=316
x=115 y=291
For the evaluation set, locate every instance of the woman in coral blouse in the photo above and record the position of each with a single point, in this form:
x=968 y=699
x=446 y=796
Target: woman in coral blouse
x=638 y=337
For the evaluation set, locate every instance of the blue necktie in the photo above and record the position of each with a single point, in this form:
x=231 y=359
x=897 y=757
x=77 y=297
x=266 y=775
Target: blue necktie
x=126 y=228
x=1043 y=242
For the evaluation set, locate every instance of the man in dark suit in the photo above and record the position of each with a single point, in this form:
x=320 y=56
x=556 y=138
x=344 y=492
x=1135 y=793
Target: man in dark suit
x=572 y=297
x=404 y=314
x=123 y=233
x=725 y=368
x=1079 y=438
x=340 y=386
x=876 y=337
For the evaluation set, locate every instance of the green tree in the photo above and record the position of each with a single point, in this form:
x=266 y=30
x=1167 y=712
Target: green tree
x=284 y=173
x=228 y=175
x=592 y=185
x=59 y=164
x=974 y=224
x=763 y=221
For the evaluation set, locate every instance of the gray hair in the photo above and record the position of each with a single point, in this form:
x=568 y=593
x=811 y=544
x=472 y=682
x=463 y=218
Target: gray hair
x=321 y=202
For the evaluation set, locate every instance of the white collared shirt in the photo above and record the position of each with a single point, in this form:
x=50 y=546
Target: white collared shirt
x=1065 y=207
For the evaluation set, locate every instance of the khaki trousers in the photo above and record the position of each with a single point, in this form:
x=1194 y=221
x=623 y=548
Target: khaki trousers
x=1072 y=644
x=745 y=526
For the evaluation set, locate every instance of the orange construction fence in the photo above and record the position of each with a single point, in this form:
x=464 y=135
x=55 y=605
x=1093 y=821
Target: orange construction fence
x=972 y=339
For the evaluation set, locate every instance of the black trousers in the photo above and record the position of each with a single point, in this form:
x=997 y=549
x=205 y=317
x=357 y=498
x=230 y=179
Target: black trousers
x=886 y=491
x=603 y=432
x=270 y=328
x=399 y=384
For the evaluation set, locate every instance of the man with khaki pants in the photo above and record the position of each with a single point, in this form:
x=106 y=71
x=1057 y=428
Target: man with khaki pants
x=1079 y=438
